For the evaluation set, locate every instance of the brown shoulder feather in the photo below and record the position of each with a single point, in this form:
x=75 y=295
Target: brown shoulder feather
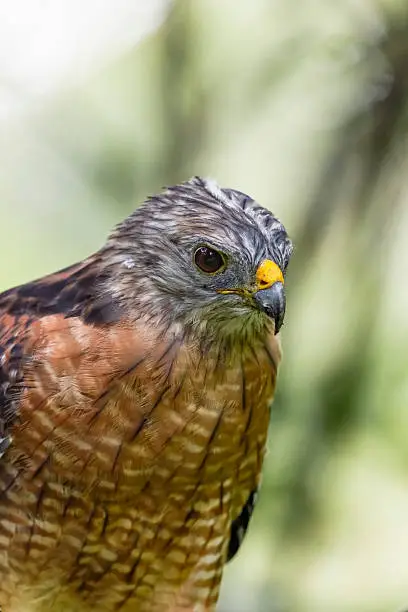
x=69 y=293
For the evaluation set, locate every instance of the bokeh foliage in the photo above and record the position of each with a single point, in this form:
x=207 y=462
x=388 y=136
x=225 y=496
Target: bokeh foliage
x=303 y=105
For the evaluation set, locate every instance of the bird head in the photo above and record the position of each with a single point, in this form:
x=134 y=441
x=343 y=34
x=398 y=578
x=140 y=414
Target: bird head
x=202 y=255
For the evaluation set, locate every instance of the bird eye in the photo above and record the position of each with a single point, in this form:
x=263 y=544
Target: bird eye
x=208 y=260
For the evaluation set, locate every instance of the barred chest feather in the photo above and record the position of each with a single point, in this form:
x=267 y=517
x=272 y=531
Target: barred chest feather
x=129 y=486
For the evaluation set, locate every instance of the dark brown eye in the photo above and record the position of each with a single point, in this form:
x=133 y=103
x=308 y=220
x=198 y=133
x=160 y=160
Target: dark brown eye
x=208 y=260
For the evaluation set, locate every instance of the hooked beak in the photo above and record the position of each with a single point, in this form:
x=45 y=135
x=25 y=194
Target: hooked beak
x=273 y=303
x=269 y=293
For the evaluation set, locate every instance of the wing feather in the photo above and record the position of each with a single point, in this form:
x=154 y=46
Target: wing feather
x=57 y=340
x=240 y=525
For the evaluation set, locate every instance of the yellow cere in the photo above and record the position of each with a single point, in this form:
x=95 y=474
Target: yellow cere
x=267 y=274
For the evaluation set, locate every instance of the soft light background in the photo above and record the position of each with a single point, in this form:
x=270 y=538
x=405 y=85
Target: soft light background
x=303 y=105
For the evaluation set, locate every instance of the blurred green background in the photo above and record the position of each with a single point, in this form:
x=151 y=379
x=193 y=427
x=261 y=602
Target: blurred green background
x=303 y=105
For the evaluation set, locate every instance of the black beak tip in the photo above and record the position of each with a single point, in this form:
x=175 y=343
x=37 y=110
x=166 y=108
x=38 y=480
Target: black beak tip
x=272 y=302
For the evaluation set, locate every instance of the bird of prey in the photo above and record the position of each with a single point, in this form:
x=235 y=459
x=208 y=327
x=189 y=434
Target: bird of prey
x=135 y=391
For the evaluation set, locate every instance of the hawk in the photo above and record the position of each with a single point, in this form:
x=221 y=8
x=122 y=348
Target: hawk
x=135 y=391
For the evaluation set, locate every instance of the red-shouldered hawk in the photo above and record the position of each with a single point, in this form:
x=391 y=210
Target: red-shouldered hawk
x=135 y=390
